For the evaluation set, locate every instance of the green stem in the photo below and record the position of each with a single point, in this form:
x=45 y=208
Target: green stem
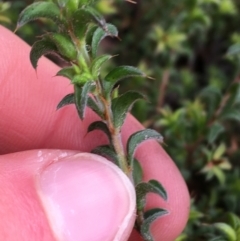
x=117 y=143
x=84 y=58
x=115 y=132
x=116 y=137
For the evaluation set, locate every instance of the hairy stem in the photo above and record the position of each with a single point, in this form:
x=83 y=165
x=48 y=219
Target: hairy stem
x=140 y=219
x=116 y=136
x=115 y=132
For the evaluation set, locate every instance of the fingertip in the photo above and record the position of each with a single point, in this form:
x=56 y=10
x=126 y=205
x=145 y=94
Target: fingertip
x=64 y=195
x=87 y=198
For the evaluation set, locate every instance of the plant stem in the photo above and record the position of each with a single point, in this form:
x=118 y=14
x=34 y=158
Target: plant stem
x=162 y=88
x=83 y=59
x=115 y=132
x=117 y=143
x=116 y=136
x=140 y=219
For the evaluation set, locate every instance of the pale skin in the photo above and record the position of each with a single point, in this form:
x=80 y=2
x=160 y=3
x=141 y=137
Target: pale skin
x=48 y=193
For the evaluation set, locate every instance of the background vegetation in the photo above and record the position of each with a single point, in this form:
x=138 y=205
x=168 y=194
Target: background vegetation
x=192 y=49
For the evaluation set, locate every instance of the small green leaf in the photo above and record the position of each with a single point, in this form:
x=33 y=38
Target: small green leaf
x=150 y=216
x=64 y=45
x=87 y=15
x=120 y=73
x=39 y=10
x=96 y=16
x=137 y=172
x=123 y=72
x=122 y=104
x=82 y=78
x=77 y=95
x=159 y=188
x=152 y=213
x=215 y=130
x=82 y=101
x=83 y=17
x=219 y=174
x=89 y=35
x=67 y=72
x=100 y=34
x=227 y=230
x=67 y=100
x=96 y=107
x=99 y=125
x=40 y=48
x=106 y=151
x=234 y=50
x=71 y=7
x=143 y=188
x=97 y=64
x=137 y=138
x=221 y=149
x=230 y=114
x=233 y=220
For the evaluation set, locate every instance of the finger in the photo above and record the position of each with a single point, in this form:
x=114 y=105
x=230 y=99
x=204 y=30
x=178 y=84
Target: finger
x=60 y=195
x=29 y=119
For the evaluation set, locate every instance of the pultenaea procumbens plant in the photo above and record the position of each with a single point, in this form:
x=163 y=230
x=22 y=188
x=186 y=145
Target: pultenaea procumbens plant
x=79 y=30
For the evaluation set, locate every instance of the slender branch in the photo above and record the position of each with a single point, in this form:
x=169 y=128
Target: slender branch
x=115 y=132
x=140 y=219
x=162 y=88
x=83 y=58
x=116 y=136
x=161 y=97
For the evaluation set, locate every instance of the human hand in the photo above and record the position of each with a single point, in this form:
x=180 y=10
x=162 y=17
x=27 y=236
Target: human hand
x=48 y=193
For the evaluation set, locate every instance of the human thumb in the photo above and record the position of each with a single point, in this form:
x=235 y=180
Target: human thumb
x=58 y=195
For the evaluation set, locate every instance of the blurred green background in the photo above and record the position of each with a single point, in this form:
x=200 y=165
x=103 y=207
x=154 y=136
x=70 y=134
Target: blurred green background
x=192 y=50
